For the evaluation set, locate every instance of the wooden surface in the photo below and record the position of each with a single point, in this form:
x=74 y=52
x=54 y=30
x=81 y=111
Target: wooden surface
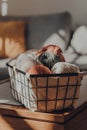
x=20 y=118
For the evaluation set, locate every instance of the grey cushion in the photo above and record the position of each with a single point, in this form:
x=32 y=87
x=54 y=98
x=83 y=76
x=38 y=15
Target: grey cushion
x=41 y=27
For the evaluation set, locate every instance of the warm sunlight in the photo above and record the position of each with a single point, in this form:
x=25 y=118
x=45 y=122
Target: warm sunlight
x=1 y=42
x=5 y=124
x=10 y=47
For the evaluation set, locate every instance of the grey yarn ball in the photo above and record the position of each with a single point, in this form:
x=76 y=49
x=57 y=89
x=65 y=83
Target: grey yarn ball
x=49 y=59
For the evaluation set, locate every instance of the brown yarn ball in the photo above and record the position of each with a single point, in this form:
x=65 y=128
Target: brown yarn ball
x=39 y=69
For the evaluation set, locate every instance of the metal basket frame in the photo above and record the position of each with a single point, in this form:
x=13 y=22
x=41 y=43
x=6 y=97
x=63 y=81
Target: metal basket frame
x=25 y=86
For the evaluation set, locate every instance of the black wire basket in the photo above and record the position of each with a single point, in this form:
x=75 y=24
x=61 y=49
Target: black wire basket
x=45 y=93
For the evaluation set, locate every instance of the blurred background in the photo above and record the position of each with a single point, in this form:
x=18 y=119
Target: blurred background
x=78 y=8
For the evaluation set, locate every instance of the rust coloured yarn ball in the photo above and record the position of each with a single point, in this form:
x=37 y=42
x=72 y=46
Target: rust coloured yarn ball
x=39 y=69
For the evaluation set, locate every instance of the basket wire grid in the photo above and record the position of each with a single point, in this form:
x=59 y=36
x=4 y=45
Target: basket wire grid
x=45 y=93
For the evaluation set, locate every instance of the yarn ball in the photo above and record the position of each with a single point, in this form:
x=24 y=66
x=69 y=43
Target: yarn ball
x=49 y=55
x=49 y=59
x=26 y=60
x=65 y=67
x=39 y=69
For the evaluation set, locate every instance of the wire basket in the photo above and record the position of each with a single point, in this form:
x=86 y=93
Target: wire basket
x=45 y=93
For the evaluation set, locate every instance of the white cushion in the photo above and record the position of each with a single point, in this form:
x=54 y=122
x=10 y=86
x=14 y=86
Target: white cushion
x=81 y=60
x=55 y=39
x=79 y=40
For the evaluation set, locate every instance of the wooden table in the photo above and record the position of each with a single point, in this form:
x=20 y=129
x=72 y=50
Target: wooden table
x=20 y=118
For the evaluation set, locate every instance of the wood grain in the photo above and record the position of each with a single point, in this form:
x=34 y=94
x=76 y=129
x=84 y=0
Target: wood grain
x=20 y=118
